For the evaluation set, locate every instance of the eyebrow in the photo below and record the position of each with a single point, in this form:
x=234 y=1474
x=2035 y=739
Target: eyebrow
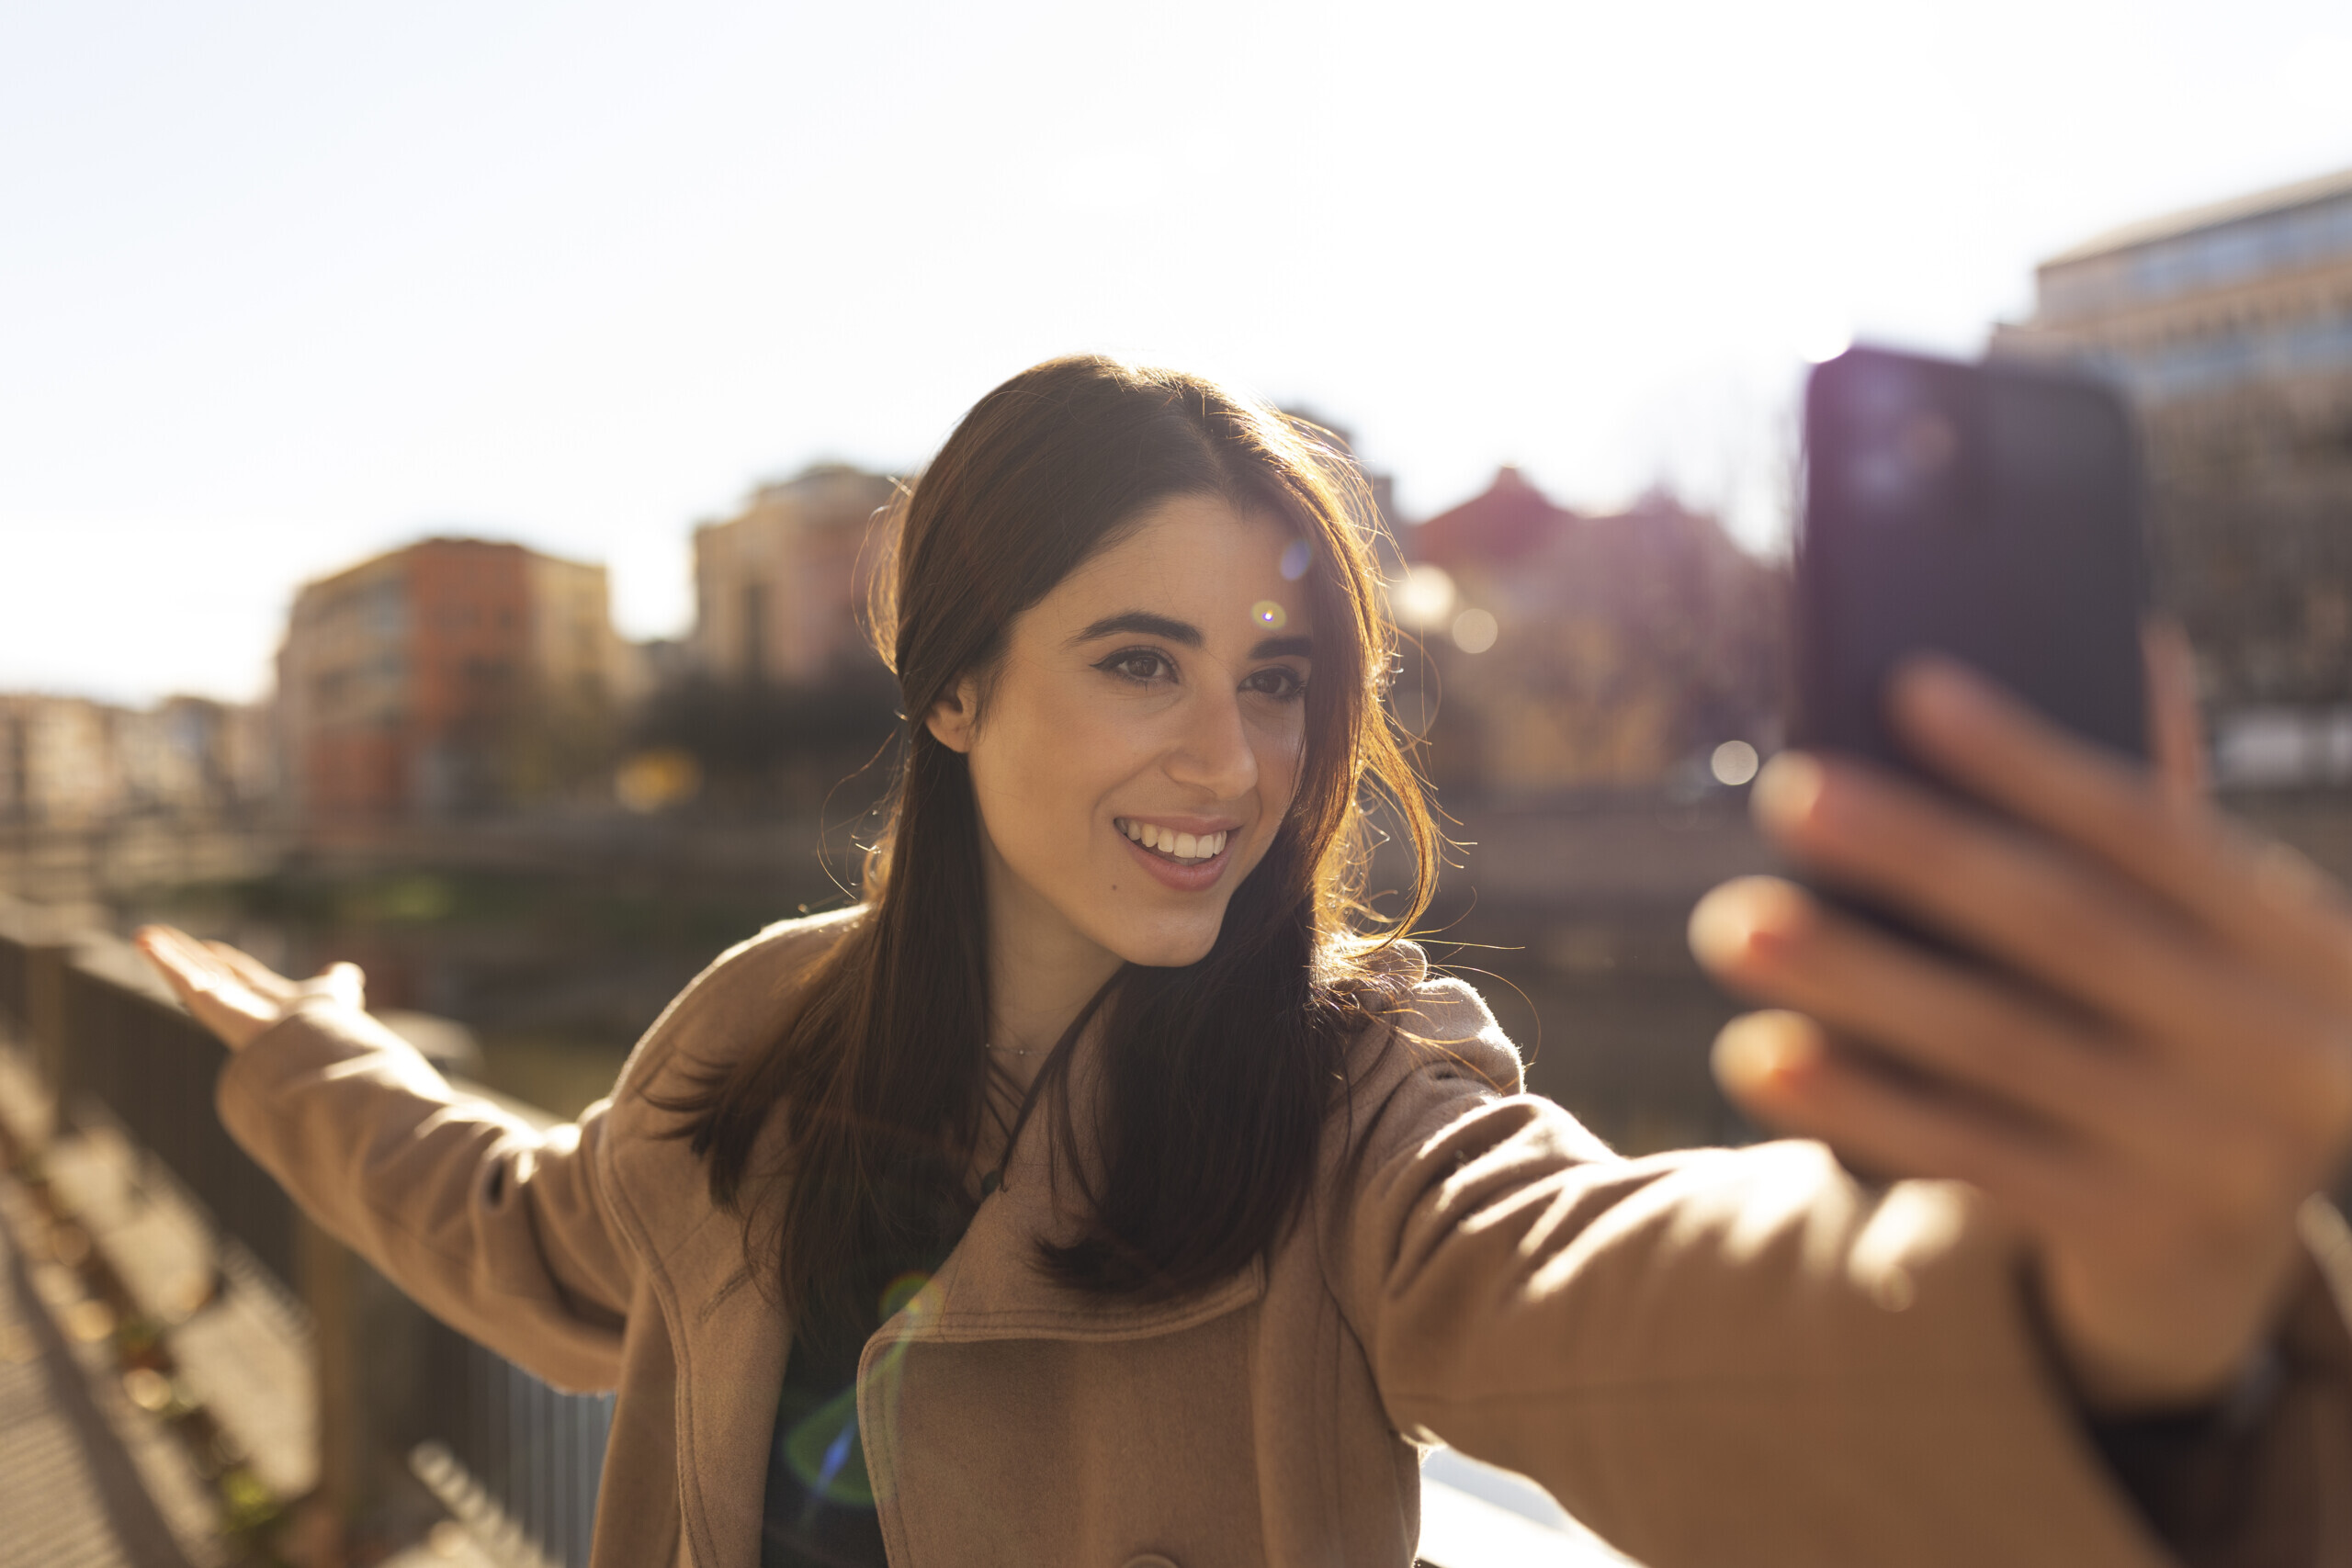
x=1187 y=635
x=1144 y=622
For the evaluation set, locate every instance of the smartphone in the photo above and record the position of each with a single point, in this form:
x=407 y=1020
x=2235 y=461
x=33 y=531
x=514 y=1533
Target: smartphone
x=1992 y=512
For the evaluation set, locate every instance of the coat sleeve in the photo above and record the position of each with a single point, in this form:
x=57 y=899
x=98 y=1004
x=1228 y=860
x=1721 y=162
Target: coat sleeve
x=502 y=1230
x=1738 y=1356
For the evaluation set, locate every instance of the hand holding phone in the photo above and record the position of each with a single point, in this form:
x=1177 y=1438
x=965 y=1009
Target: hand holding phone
x=2134 y=1029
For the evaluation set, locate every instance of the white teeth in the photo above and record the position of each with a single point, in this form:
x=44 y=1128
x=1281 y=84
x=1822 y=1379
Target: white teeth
x=1175 y=845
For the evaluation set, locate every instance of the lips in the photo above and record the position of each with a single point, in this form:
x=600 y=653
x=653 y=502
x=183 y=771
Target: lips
x=1190 y=858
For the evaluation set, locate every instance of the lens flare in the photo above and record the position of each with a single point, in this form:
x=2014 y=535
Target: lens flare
x=903 y=1292
x=1268 y=614
x=823 y=1449
x=1423 y=600
x=1475 y=631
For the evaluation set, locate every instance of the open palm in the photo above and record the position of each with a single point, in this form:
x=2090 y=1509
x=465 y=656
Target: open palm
x=234 y=994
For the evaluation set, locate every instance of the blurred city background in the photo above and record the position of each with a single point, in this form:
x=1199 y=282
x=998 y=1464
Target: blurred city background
x=448 y=453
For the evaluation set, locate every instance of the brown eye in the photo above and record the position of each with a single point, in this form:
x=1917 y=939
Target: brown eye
x=1278 y=681
x=1142 y=664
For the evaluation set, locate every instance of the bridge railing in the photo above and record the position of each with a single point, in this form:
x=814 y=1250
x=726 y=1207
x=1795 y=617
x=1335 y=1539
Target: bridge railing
x=395 y=1390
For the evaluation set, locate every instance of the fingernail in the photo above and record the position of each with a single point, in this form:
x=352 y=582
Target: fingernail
x=1740 y=923
x=1743 y=1056
x=1762 y=1052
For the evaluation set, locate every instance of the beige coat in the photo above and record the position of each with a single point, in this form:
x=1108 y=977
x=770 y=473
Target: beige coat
x=1712 y=1358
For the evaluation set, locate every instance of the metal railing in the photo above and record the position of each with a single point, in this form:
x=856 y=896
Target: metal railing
x=119 y=1043
x=517 y=1459
x=510 y=1456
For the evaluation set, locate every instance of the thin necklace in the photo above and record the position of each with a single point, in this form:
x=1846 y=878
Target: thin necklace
x=994 y=1180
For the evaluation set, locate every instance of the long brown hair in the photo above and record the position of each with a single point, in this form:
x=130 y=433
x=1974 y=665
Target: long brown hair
x=1217 y=1077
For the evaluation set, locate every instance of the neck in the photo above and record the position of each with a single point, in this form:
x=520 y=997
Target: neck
x=1042 y=970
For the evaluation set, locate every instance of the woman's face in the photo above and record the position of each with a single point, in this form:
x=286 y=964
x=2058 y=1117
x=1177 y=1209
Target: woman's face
x=1140 y=743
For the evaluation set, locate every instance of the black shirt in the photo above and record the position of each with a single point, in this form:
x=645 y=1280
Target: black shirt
x=819 y=1507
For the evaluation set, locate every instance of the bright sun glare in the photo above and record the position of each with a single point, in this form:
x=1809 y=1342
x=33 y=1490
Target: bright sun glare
x=285 y=295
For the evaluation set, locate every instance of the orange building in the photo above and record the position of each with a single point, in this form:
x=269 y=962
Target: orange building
x=453 y=675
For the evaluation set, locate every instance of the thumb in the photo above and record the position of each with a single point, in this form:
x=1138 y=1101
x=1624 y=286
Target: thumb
x=338 y=982
x=347 y=984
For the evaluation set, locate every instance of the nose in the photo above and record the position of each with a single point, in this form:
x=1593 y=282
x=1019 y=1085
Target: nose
x=1213 y=753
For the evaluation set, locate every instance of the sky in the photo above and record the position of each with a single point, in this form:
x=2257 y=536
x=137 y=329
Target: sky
x=283 y=285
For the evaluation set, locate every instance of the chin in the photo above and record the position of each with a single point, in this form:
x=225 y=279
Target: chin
x=1168 y=949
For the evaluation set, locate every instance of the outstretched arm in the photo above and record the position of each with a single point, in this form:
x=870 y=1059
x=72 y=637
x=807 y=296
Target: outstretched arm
x=500 y=1229
x=1710 y=1357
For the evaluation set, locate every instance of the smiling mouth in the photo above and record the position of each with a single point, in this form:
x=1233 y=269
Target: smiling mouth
x=1177 y=849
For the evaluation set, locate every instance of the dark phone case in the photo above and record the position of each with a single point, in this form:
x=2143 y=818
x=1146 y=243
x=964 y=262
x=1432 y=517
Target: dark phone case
x=1989 y=513
x=1992 y=512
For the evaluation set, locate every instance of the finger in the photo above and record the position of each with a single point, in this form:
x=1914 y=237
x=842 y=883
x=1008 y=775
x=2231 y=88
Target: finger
x=222 y=1003
x=2176 y=732
x=251 y=970
x=151 y=942
x=2067 y=923
x=183 y=963
x=1783 y=1070
x=1983 y=882
x=2011 y=1051
x=2269 y=904
x=1769 y=940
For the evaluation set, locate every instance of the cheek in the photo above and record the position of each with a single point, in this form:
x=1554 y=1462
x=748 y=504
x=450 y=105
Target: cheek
x=1039 y=768
x=1282 y=754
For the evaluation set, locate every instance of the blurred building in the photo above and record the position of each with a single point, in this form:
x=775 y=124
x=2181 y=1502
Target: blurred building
x=1565 y=651
x=69 y=762
x=778 y=587
x=57 y=762
x=2230 y=329
x=453 y=675
x=197 y=757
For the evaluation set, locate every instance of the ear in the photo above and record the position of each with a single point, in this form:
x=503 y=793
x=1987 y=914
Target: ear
x=954 y=717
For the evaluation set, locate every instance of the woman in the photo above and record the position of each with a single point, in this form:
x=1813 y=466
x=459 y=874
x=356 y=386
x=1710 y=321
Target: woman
x=1102 y=1189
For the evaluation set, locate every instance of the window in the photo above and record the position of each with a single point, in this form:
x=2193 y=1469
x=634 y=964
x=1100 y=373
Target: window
x=2301 y=346
x=2233 y=253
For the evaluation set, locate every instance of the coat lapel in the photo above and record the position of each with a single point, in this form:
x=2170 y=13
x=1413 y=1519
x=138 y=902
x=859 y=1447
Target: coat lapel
x=992 y=1288
x=732 y=1343
x=728 y=1339
x=732 y=1347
